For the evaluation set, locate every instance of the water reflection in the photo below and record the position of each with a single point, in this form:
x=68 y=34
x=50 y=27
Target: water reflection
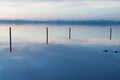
x=31 y=59
x=60 y=34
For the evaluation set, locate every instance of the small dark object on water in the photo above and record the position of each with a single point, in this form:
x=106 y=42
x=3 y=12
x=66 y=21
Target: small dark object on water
x=105 y=50
x=116 y=51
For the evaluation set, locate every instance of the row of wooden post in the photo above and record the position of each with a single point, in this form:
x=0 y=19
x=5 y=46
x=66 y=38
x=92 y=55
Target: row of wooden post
x=110 y=33
x=10 y=38
x=47 y=36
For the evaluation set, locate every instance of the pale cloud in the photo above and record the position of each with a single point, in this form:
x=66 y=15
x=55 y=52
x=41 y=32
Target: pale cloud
x=80 y=4
x=61 y=4
x=59 y=8
x=104 y=4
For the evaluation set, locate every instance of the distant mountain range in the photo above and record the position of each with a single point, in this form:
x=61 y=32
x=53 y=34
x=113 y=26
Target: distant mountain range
x=65 y=22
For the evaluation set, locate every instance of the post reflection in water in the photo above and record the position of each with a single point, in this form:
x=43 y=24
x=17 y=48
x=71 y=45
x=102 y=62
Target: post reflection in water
x=59 y=34
x=72 y=52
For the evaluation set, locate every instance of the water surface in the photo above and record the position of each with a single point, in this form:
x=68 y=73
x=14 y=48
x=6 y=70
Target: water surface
x=80 y=58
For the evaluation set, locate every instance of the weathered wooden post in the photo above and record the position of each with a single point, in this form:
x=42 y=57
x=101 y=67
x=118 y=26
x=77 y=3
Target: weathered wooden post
x=10 y=39
x=110 y=33
x=69 y=32
x=46 y=35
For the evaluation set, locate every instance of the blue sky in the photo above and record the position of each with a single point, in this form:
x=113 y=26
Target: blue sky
x=60 y=9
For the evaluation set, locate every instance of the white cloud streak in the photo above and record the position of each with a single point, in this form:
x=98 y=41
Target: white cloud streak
x=62 y=4
x=58 y=8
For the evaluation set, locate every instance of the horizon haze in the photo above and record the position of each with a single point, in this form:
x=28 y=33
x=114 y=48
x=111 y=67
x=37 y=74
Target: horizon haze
x=60 y=9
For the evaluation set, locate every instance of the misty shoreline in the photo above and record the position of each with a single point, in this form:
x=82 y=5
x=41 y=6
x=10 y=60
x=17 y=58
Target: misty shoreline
x=64 y=22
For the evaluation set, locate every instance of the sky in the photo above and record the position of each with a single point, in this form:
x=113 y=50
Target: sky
x=60 y=9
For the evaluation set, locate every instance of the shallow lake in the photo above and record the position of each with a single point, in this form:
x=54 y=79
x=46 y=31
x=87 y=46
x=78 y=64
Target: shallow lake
x=60 y=34
x=88 y=55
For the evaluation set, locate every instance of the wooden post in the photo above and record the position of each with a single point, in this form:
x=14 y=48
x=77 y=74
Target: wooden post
x=69 y=33
x=110 y=33
x=10 y=39
x=46 y=35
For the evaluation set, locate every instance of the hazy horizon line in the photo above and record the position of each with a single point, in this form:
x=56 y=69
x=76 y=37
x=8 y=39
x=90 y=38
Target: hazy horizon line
x=101 y=22
x=61 y=19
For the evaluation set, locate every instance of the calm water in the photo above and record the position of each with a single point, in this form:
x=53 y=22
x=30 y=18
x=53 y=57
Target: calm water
x=81 y=58
x=59 y=34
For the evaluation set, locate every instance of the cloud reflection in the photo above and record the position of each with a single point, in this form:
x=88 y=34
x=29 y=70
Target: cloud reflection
x=58 y=62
